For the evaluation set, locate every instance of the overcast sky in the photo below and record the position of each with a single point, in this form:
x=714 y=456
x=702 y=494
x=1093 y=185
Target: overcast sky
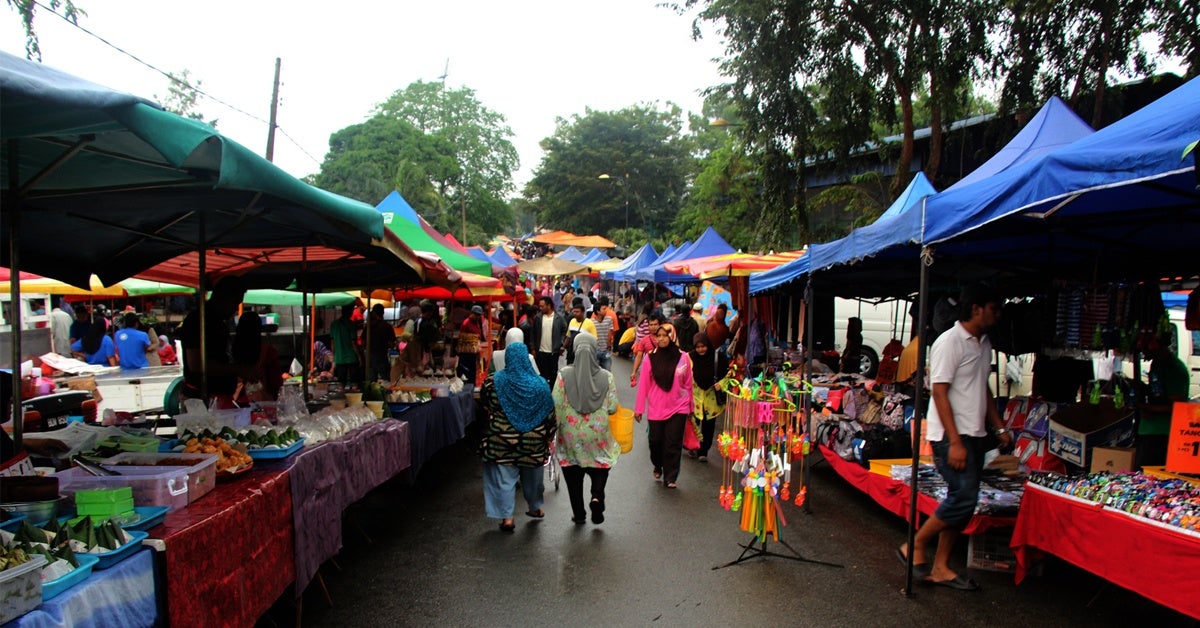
x=530 y=60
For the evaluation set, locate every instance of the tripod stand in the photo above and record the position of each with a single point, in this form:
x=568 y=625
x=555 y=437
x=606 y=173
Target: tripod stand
x=750 y=551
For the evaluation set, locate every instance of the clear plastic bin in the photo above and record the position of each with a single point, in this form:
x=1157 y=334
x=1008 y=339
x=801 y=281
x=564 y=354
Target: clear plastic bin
x=21 y=589
x=173 y=486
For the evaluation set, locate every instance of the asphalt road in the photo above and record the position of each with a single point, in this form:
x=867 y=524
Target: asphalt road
x=435 y=559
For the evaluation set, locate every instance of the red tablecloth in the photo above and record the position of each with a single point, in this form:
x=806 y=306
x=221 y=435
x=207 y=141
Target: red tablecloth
x=229 y=555
x=1157 y=561
x=894 y=495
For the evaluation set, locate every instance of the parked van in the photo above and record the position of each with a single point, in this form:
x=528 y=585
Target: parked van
x=881 y=323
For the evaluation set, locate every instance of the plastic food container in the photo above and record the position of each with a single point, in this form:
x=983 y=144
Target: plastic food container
x=53 y=587
x=172 y=486
x=21 y=589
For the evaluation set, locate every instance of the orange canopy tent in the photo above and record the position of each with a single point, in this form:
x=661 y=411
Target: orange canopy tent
x=566 y=238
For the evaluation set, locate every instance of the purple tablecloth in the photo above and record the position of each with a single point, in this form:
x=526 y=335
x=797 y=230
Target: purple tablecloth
x=436 y=424
x=328 y=477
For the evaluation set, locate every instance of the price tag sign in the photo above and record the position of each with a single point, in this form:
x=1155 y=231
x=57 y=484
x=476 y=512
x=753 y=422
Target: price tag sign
x=1183 y=444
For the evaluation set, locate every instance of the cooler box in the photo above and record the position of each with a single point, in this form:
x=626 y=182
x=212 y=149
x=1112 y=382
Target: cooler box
x=1077 y=429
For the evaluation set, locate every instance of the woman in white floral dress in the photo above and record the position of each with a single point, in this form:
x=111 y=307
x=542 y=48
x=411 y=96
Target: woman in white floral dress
x=584 y=395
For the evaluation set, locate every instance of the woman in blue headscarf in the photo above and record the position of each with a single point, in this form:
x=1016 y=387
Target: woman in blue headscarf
x=516 y=440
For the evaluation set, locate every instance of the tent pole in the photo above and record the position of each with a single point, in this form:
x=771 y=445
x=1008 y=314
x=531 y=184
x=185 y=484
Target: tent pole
x=201 y=295
x=14 y=287
x=809 y=346
x=367 y=330
x=918 y=414
x=306 y=321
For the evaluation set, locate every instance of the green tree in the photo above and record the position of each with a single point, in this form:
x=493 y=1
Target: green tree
x=481 y=145
x=183 y=95
x=644 y=151
x=366 y=161
x=440 y=148
x=27 y=10
x=724 y=196
x=1177 y=22
x=1069 y=48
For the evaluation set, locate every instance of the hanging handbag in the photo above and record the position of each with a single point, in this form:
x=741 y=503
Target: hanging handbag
x=690 y=441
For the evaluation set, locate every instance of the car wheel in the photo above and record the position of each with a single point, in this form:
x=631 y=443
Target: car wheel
x=868 y=362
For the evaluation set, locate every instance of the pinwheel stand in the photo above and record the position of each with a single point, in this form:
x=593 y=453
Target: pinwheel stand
x=763 y=472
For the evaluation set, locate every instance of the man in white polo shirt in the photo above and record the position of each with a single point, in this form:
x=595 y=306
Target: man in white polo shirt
x=961 y=408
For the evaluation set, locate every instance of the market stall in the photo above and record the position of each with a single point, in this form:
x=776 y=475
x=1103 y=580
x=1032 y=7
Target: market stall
x=1154 y=559
x=125 y=595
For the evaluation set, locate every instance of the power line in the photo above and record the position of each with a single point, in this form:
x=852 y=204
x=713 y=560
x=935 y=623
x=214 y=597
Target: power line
x=175 y=79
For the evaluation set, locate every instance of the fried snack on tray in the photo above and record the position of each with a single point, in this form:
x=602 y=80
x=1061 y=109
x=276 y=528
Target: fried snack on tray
x=228 y=458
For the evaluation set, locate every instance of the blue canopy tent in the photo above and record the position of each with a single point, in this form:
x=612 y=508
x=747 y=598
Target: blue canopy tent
x=671 y=254
x=708 y=244
x=1120 y=204
x=880 y=260
x=780 y=275
x=630 y=272
x=640 y=258
x=890 y=229
x=595 y=255
x=500 y=257
x=1054 y=126
x=479 y=254
x=572 y=254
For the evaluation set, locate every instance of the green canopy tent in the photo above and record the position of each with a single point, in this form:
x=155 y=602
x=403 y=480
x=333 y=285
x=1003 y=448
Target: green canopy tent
x=100 y=181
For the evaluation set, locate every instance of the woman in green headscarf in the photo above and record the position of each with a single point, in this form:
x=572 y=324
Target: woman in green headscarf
x=584 y=395
x=517 y=436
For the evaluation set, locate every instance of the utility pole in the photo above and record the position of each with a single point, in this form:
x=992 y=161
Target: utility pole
x=274 y=112
x=463 y=200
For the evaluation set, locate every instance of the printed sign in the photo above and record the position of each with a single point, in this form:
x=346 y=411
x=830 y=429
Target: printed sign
x=1183 y=443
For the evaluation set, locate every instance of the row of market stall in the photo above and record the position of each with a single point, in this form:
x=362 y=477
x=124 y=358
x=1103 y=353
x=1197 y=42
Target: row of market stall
x=1061 y=209
x=106 y=188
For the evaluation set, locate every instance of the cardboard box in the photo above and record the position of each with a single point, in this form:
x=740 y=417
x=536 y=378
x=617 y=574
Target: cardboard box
x=1077 y=429
x=1183 y=441
x=1113 y=459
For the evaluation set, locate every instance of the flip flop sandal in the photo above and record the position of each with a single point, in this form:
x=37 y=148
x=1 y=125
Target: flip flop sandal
x=920 y=570
x=671 y=485
x=959 y=583
x=536 y=514
x=507 y=527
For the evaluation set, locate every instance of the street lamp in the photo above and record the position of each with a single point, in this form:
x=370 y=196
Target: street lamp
x=625 y=184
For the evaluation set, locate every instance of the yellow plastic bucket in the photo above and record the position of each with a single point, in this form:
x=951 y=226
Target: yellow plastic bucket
x=621 y=424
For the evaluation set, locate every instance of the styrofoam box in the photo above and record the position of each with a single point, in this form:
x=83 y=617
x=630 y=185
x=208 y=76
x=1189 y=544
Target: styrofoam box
x=21 y=589
x=174 y=486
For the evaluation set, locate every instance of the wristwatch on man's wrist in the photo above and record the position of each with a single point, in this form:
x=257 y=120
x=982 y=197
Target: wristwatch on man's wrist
x=1003 y=430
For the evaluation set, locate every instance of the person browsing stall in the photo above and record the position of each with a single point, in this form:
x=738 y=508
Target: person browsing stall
x=382 y=338
x=584 y=396
x=470 y=332
x=96 y=347
x=545 y=334
x=346 y=355
x=516 y=438
x=222 y=372
x=961 y=409
x=604 y=335
x=664 y=396
x=578 y=324
x=1169 y=383
x=132 y=343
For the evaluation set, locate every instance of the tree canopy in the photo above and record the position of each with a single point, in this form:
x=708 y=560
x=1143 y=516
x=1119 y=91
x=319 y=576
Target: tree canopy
x=445 y=152
x=643 y=150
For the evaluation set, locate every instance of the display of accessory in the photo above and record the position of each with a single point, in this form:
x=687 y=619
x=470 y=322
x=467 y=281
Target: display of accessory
x=1169 y=501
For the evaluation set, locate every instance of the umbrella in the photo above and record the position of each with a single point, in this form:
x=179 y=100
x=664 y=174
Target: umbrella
x=36 y=284
x=550 y=266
